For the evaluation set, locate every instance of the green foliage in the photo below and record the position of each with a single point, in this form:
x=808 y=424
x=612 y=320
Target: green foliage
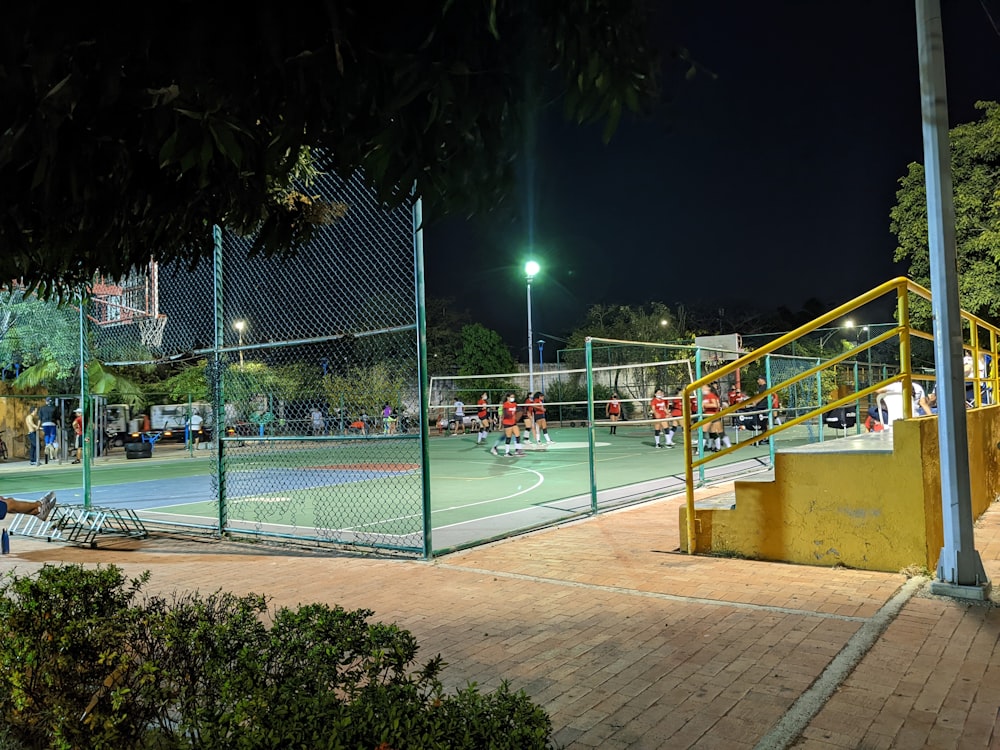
x=131 y=132
x=88 y=663
x=191 y=381
x=654 y=322
x=483 y=352
x=975 y=164
x=444 y=337
x=363 y=390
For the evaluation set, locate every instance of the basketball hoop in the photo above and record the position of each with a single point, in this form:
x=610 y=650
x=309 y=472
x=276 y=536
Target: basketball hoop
x=151 y=331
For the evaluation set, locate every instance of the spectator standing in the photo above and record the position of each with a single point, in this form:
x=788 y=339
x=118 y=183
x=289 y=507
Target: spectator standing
x=49 y=416
x=77 y=434
x=459 y=417
x=194 y=429
x=318 y=423
x=33 y=425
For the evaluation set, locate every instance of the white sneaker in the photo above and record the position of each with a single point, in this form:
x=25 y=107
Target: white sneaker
x=493 y=450
x=46 y=504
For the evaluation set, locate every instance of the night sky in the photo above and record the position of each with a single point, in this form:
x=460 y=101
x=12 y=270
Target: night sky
x=767 y=186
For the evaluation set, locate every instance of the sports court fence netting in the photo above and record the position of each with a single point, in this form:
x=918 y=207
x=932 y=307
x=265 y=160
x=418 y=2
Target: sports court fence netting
x=300 y=376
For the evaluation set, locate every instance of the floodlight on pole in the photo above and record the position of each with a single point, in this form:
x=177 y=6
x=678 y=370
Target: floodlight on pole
x=531 y=269
x=240 y=326
x=847 y=324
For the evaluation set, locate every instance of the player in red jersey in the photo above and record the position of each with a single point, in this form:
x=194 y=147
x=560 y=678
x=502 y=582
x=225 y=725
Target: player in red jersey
x=660 y=409
x=711 y=404
x=613 y=410
x=510 y=414
x=540 y=422
x=484 y=419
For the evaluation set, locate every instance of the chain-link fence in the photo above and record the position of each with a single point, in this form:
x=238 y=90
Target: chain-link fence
x=295 y=381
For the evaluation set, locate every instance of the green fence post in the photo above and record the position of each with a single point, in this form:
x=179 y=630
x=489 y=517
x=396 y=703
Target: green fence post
x=88 y=419
x=589 y=358
x=219 y=385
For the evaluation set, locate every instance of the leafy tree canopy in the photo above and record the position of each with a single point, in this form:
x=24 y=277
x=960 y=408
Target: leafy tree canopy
x=975 y=164
x=126 y=131
x=484 y=352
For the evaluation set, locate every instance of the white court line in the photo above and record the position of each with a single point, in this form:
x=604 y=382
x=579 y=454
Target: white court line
x=536 y=485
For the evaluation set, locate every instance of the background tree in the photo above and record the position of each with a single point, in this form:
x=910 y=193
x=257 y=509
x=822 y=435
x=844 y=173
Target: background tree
x=364 y=390
x=444 y=335
x=128 y=131
x=975 y=164
x=485 y=353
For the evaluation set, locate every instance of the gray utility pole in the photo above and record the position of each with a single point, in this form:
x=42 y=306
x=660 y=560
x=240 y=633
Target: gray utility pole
x=960 y=571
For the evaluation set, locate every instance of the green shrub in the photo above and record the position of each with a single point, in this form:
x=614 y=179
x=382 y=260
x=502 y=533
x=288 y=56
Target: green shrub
x=88 y=663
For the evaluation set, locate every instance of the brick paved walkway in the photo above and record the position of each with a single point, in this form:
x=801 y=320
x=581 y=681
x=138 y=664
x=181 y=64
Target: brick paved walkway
x=630 y=644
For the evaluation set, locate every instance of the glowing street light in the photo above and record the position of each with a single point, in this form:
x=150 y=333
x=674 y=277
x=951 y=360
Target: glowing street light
x=240 y=326
x=531 y=269
x=847 y=324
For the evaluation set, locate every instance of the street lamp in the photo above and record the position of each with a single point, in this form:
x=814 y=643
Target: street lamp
x=822 y=341
x=240 y=325
x=531 y=269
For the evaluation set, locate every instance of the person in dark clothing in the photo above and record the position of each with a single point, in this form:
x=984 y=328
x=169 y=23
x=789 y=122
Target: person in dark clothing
x=49 y=416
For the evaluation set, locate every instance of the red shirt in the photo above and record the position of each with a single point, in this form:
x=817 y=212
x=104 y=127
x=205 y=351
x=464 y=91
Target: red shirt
x=482 y=403
x=614 y=407
x=539 y=408
x=709 y=403
x=676 y=407
x=509 y=413
x=659 y=407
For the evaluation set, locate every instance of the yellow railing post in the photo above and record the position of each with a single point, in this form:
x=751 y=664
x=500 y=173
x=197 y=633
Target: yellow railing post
x=904 y=350
x=688 y=468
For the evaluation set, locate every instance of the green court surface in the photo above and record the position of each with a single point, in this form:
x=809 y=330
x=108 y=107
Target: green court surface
x=369 y=490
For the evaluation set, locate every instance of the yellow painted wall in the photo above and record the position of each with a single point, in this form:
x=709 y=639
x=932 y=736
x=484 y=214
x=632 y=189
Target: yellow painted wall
x=876 y=511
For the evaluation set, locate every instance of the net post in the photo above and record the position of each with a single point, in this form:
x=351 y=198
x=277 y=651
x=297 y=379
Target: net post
x=589 y=360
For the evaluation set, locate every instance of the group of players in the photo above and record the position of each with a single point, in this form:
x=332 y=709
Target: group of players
x=510 y=415
x=666 y=413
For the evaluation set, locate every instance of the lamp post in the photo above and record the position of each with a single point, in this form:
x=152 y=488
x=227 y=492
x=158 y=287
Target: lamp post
x=822 y=341
x=531 y=269
x=541 y=367
x=240 y=325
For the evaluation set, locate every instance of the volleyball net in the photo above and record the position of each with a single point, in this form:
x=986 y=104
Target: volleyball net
x=564 y=390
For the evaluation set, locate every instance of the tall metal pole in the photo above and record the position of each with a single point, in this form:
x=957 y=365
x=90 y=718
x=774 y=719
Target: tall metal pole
x=960 y=571
x=531 y=351
x=427 y=525
x=219 y=377
x=541 y=367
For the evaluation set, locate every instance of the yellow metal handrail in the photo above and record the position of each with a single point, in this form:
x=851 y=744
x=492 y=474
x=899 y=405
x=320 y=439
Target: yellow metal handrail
x=902 y=287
